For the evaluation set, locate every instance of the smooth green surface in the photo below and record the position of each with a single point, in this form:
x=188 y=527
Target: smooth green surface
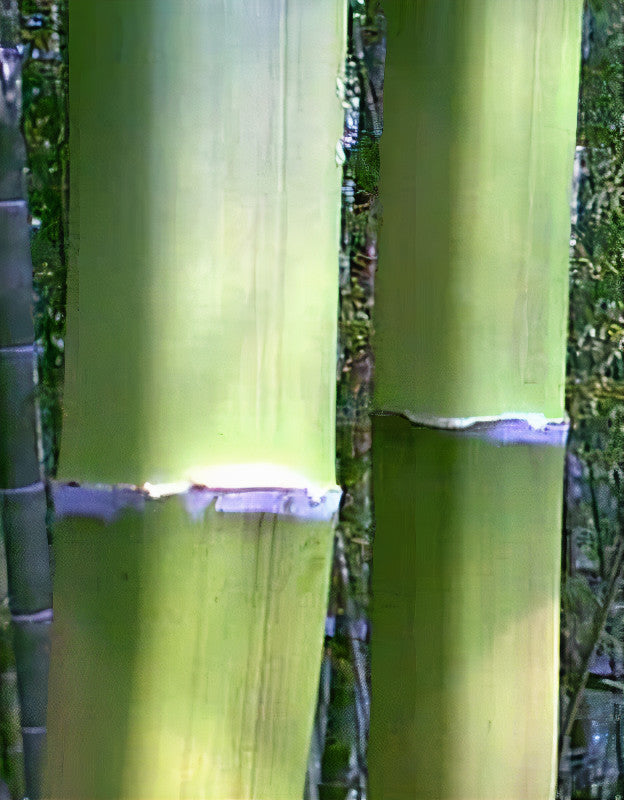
x=11 y=751
x=465 y=616
x=205 y=195
x=22 y=516
x=16 y=282
x=19 y=456
x=185 y=655
x=31 y=641
x=23 y=519
x=34 y=760
x=480 y=100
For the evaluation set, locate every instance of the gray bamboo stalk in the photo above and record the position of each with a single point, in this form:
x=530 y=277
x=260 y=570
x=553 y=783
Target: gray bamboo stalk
x=11 y=750
x=22 y=489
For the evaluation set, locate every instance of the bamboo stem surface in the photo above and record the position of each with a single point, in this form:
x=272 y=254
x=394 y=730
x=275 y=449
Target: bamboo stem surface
x=465 y=616
x=186 y=654
x=477 y=151
x=22 y=495
x=470 y=312
x=202 y=290
x=201 y=339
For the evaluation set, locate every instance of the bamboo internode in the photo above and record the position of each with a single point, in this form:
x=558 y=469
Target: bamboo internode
x=196 y=497
x=23 y=505
x=480 y=102
x=202 y=290
x=477 y=152
x=185 y=653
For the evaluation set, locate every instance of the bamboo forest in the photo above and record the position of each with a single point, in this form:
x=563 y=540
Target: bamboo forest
x=311 y=399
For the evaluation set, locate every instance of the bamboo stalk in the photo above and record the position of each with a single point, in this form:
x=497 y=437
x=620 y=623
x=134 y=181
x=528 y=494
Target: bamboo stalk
x=204 y=240
x=22 y=494
x=465 y=616
x=201 y=336
x=12 y=751
x=182 y=649
x=477 y=150
x=470 y=315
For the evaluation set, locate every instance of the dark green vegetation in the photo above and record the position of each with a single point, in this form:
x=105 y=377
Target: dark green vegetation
x=45 y=128
x=592 y=627
x=338 y=758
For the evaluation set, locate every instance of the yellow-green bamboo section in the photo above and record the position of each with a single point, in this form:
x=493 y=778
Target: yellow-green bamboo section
x=477 y=150
x=205 y=203
x=22 y=491
x=470 y=312
x=466 y=616
x=186 y=653
x=196 y=494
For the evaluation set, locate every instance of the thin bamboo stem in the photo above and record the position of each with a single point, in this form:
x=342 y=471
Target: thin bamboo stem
x=12 y=751
x=22 y=493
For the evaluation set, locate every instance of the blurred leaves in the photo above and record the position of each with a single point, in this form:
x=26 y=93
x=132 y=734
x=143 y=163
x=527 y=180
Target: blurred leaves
x=45 y=75
x=592 y=623
x=346 y=709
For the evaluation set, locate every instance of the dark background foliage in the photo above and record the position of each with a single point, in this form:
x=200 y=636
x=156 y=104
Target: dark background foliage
x=592 y=667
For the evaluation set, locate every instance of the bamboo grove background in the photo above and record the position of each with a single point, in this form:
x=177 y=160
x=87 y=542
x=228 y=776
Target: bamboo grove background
x=592 y=680
x=592 y=666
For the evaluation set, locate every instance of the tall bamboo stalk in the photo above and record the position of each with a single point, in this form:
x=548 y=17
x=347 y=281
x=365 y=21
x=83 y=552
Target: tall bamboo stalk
x=22 y=492
x=201 y=336
x=12 y=751
x=479 y=124
x=470 y=315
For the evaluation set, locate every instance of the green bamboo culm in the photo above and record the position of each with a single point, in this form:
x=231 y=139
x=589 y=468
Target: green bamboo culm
x=477 y=151
x=22 y=491
x=225 y=217
x=466 y=606
x=190 y=653
x=201 y=340
x=11 y=747
x=480 y=105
